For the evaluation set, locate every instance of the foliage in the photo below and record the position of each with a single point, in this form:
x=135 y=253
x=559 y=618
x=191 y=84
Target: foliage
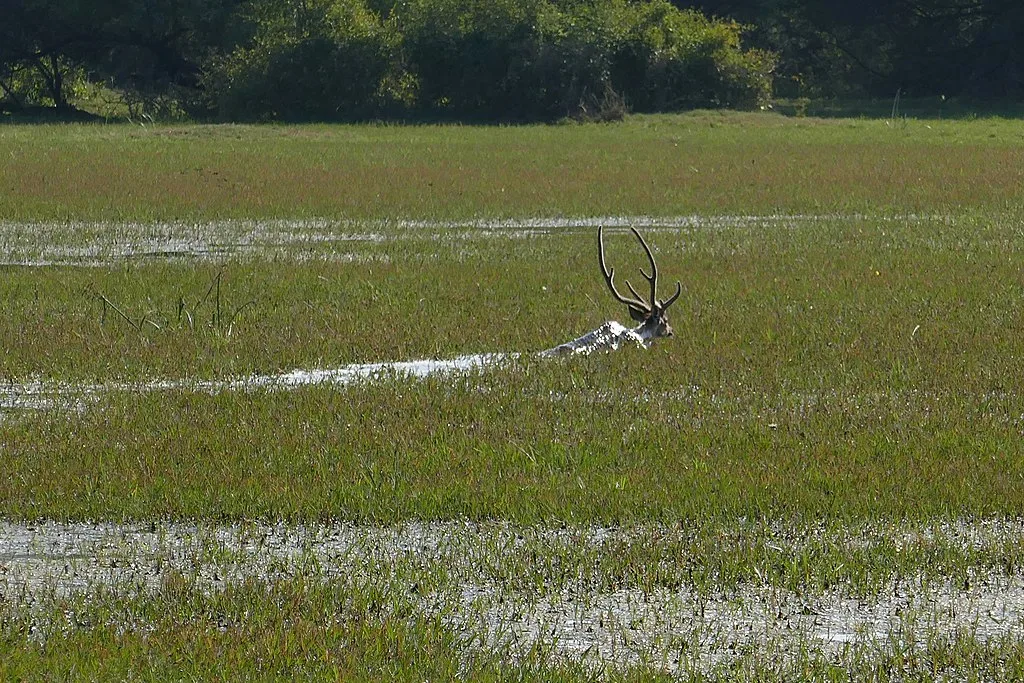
x=685 y=59
x=326 y=59
x=542 y=60
x=876 y=47
x=511 y=60
x=148 y=49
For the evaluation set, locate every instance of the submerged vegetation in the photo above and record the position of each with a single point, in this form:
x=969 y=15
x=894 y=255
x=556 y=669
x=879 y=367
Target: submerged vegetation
x=813 y=360
x=834 y=426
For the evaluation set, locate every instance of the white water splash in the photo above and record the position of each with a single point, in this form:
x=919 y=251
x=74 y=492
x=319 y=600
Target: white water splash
x=40 y=394
x=48 y=394
x=608 y=337
x=346 y=374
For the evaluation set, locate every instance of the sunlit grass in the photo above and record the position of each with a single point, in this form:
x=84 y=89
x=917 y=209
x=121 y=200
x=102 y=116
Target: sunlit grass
x=855 y=368
x=865 y=304
x=837 y=367
x=301 y=628
x=541 y=445
x=696 y=163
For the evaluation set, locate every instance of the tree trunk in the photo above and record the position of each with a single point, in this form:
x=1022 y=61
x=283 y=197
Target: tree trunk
x=50 y=69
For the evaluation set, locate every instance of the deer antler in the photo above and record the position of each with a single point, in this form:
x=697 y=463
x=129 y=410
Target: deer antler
x=638 y=308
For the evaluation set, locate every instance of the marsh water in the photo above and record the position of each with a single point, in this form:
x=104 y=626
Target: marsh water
x=104 y=244
x=675 y=625
x=579 y=615
x=116 y=244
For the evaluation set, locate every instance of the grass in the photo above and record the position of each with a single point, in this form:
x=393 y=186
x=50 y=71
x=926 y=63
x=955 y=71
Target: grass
x=290 y=630
x=812 y=362
x=862 y=304
x=365 y=629
x=438 y=451
x=698 y=163
x=854 y=368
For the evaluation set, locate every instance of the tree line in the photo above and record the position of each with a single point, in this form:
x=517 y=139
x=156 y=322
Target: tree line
x=496 y=60
x=971 y=49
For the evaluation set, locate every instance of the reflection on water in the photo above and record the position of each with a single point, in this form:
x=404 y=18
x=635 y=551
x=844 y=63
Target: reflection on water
x=45 y=394
x=99 y=244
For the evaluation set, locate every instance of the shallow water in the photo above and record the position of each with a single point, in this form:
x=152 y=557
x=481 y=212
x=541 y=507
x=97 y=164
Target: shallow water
x=47 y=394
x=102 y=244
x=41 y=394
x=673 y=628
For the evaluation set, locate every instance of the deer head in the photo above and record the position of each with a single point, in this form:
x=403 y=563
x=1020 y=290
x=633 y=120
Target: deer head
x=650 y=314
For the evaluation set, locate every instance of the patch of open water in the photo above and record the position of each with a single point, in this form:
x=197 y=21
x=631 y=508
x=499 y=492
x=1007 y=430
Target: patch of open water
x=674 y=627
x=42 y=394
x=100 y=244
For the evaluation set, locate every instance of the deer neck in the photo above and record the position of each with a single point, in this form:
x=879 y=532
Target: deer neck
x=647 y=330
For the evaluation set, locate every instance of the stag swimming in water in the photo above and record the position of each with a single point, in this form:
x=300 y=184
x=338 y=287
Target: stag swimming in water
x=649 y=313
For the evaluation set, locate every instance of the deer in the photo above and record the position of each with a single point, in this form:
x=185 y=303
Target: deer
x=650 y=313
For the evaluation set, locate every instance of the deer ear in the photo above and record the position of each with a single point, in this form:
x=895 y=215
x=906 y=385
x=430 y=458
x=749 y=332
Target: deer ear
x=638 y=314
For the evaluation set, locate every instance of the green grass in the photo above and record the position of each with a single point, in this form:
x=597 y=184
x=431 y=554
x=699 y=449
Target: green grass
x=302 y=629
x=251 y=632
x=857 y=304
x=853 y=370
x=696 y=163
x=512 y=446
x=841 y=367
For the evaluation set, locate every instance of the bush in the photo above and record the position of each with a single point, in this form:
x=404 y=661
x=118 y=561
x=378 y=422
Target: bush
x=506 y=60
x=672 y=59
x=327 y=60
x=40 y=83
x=471 y=58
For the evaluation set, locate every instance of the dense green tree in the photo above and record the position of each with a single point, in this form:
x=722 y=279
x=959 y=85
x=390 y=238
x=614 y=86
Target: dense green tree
x=507 y=60
x=543 y=59
x=308 y=60
x=148 y=48
x=878 y=47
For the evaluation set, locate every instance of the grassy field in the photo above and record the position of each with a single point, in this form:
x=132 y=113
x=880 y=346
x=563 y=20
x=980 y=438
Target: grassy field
x=846 y=359
x=706 y=163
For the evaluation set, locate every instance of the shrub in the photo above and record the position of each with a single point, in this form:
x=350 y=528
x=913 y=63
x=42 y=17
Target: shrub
x=471 y=58
x=507 y=60
x=543 y=59
x=672 y=59
x=321 y=60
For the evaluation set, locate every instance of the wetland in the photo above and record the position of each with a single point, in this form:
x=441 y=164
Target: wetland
x=267 y=435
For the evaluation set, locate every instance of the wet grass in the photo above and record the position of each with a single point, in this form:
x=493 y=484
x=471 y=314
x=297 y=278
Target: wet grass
x=846 y=372
x=298 y=628
x=702 y=162
x=290 y=630
x=514 y=445
x=838 y=368
x=791 y=307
